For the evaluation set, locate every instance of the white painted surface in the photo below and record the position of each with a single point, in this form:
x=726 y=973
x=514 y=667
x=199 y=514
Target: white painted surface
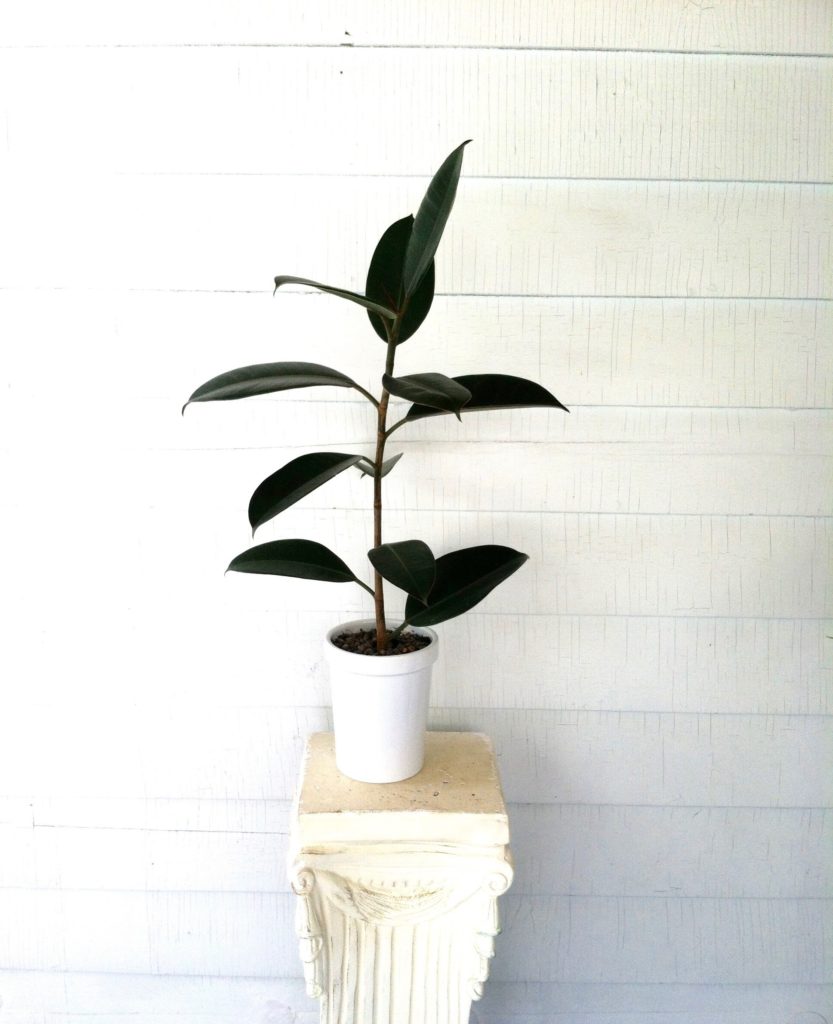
x=644 y=226
x=379 y=707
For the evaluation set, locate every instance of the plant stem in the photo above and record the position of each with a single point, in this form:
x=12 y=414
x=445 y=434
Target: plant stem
x=381 y=437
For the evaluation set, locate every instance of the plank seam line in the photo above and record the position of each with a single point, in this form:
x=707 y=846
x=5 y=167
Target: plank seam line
x=689 y=616
x=270 y=978
x=584 y=513
x=151 y=828
x=419 y=47
x=506 y=179
x=287 y=803
x=551 y=296
x=768 y=808
x=500 y=295
x=822 y=716
x=288 y=894
x=635 y=712
x=577 y=712
x=359 y=403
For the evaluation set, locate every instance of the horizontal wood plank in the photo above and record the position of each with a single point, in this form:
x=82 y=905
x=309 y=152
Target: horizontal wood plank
x=633 y=612
x=725 y=25
x=579 y=564
x=680 y=941
x=213 y=1000
x=565 y=1003
x=647 y=462
x=608 y=115
x=555 y=238
x=558 y=850
x=678 y=663
x=627 y=352
x=545 y=756
x=680 y=465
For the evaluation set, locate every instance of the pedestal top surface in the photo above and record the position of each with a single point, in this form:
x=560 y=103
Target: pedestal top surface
x=456 y=798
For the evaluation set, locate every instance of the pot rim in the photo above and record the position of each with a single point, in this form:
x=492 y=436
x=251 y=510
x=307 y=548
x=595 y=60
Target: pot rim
x=390 y=665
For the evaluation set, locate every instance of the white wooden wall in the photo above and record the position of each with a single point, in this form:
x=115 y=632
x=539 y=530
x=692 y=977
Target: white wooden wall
x=644 y=226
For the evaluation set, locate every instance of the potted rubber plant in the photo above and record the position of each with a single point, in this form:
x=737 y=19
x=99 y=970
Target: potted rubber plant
x=380 y=669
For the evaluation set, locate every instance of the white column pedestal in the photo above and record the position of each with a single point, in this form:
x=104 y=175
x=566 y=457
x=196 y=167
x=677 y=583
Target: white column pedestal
x=397 y=884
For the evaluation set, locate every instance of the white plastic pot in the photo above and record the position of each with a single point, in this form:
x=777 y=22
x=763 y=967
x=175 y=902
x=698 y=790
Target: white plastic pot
x=380 y=708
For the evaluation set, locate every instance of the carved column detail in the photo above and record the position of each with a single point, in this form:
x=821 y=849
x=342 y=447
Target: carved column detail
x=399 y=931
x=401 y=937
x=309 y=931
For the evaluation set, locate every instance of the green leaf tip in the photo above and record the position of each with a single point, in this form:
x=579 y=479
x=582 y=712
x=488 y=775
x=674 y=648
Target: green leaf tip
x=430 y=220
x=342 y=293
x=463 y=579
x=494 y=391
x=431 y=389
x=268 y=378
x=294 y=481
x=303 y=559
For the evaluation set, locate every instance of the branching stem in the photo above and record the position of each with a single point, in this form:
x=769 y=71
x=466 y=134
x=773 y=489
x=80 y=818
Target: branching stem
x=396 y=426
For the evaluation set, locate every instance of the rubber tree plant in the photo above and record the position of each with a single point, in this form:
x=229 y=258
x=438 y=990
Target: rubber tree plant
x=398 y=297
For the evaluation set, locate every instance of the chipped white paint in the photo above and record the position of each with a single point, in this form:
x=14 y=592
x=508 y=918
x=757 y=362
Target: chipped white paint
x=397 y=885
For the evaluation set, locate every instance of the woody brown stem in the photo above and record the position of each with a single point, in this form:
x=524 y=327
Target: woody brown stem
x=381 y=438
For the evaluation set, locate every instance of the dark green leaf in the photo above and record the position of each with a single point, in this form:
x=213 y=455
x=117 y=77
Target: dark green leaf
x=430 y=389
x=368 y=466
x=430 y=220
x=342 y=293
x=304 y=559
x=384 y=281
x=464 y=578
x=495 y=391
x=265 y=378
x=290 y=483
x=407 y=564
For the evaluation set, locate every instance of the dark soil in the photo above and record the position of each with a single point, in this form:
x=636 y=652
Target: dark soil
x=364 y=642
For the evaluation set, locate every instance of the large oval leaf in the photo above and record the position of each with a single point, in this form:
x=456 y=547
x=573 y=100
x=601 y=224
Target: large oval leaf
x=464 y=578
x=384 y=281
x=266 y=378
x=430 y=220
x=407 y=564
x=431 y=389
x=304 y=559
x=342 y=293
x=294 y=480
x=495 y=391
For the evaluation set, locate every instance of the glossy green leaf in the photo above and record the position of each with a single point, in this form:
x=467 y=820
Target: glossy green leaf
x=407 y=564
x=342 y=293
x=303 y=559
x=429 y=389
x=430 y=220
x=384 y=281
x=368 y=466
x=265 y=378
x=495 y=391
x=294 y=480
x=464 y=578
